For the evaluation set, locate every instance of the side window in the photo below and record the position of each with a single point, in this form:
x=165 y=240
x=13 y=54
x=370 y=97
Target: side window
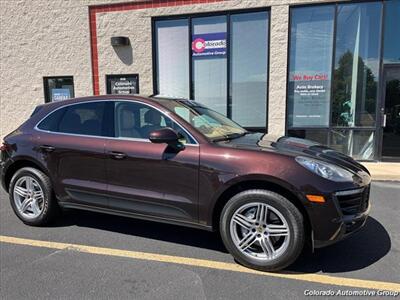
x=51 y=122
x=135 y=120
x=86 y=119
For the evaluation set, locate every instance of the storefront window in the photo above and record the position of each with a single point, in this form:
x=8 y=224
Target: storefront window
x=316 y=135
x=360 y=144
x=391 y=47
x=336 y=103
x=356 y=64
x=172 y=57
x=226 y=65
x=58 y=88
x=209 y=70
x=311 y=48
x=249 y=68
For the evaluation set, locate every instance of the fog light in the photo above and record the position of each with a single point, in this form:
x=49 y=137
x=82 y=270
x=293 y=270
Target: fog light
x=315 y=198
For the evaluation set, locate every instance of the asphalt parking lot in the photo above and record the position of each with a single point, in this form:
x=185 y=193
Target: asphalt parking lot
x=94 y=256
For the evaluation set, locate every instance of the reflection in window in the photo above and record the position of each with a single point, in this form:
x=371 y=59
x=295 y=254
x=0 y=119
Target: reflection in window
x=356 y=64
x=316 y=135
x=210 y=72
x=391 y=46
x=249 y=68
x=172 y=57
x=360 y=144
x=137 y=121
x=311 y=47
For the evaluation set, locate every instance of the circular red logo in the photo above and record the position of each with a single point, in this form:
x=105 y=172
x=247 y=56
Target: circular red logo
x=198 y=45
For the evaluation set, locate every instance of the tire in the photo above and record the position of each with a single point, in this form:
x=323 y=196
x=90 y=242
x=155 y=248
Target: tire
x=46 y=203
x=283 y=230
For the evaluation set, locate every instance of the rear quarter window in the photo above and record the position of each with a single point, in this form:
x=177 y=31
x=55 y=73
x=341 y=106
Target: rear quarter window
x=52 y=121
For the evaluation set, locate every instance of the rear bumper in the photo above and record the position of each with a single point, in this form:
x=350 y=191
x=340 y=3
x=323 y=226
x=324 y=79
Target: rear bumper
x=3 y=175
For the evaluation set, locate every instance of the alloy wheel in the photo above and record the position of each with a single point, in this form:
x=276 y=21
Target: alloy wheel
x=259 y=231
x=28 y=197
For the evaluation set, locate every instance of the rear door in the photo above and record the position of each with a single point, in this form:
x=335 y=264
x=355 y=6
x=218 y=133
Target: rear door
x=72 y=145
x=151 y=179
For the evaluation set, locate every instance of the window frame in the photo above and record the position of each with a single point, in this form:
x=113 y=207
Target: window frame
x=109 y=117
x=66 y=106
x=47 y=98
x=189 y=17
x=330 y=128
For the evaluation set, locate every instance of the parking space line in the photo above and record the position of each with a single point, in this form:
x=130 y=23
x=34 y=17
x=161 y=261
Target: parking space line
x=195 y=262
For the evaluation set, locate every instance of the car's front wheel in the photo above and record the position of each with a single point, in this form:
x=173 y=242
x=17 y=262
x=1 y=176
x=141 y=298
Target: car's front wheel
x=32 y=198
x=262 y=230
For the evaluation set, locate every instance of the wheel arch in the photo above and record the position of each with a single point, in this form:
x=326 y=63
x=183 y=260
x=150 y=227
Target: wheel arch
x=20 y=163
x=260 y=183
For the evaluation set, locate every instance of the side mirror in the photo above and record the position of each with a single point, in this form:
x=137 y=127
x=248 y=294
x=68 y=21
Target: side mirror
x=164 y=135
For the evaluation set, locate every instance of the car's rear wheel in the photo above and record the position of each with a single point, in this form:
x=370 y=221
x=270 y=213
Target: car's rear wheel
x=32 y=198
x=262 y=230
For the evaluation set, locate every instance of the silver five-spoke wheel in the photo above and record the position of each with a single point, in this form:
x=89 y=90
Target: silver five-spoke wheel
x=259 y=231
x=28 y=197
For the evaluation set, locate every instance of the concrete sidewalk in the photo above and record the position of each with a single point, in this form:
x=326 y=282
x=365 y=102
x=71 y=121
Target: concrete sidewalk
x=384 y=170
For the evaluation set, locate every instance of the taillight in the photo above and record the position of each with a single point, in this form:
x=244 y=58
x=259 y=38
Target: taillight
x=5 y=147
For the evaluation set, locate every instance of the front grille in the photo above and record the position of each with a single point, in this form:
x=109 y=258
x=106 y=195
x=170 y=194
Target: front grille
x=354 y=201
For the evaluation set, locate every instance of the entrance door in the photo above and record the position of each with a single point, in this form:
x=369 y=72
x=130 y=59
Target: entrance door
x=391 y=119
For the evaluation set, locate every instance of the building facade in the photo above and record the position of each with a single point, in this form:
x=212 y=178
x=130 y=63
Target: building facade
x=322 y=70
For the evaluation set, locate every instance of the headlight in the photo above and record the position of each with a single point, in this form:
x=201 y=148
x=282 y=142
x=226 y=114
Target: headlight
x=325 y=170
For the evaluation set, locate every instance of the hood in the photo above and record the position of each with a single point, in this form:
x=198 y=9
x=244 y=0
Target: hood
x=293 y=147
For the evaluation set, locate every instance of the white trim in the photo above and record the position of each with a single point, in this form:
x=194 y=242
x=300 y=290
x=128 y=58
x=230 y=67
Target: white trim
x=349 y=192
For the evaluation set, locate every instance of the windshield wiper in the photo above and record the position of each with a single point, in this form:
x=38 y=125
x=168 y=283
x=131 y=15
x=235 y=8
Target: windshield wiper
x=230 y=136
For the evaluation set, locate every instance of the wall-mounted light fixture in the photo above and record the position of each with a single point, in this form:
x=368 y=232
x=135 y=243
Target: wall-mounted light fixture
x=118 y=41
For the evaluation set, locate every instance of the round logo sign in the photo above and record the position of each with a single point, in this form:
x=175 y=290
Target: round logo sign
x=198 y=45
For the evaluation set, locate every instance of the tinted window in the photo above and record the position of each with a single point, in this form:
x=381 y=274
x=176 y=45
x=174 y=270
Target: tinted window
x=391 y=46
x=316 y=135
x=172 y=41
x=249 y=68
x=310 y=64
x=356 y=64
x=83 y=119
x=52 y=121
x=210 y=71
x=135 y=120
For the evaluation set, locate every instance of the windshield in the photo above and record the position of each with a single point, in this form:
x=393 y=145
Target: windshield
x=210 y=123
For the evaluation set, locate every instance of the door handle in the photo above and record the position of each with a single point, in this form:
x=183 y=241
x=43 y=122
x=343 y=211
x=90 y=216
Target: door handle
x=47 y=148
x=117 y=155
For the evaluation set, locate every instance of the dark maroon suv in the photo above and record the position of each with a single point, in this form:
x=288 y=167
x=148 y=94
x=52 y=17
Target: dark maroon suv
x=179 y=162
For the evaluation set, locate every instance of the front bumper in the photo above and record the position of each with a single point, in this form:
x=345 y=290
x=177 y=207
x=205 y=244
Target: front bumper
x=347 y=225
x=344 y=213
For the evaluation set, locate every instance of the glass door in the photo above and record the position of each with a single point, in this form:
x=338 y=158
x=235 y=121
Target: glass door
x=391 y=117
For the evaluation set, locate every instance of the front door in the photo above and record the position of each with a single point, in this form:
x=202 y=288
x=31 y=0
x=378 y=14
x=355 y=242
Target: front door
x=391 y=118
x=150 y=179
